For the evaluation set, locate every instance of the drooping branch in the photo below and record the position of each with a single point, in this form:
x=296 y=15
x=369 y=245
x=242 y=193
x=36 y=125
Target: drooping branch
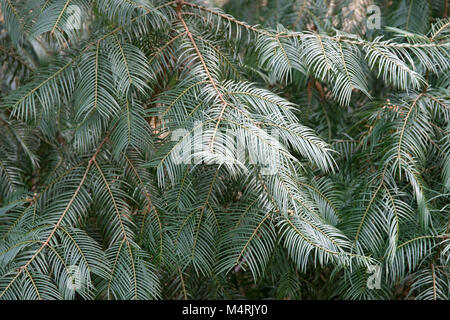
x=61 y=218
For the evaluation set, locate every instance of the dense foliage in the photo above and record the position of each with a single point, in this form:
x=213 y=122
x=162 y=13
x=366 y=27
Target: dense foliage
x=119 y=121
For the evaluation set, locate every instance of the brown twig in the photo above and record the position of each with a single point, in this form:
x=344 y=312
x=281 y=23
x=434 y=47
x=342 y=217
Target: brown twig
x=180 y=4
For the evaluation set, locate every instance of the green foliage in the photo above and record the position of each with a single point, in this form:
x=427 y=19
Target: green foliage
x=94 y=120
